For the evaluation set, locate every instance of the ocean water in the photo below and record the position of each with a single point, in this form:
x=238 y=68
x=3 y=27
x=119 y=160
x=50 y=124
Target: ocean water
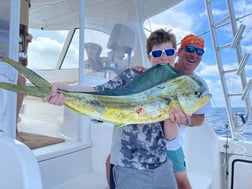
x=217 y=119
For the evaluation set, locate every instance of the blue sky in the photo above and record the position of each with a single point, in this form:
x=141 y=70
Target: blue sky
x=190 y=17
x=187 y=17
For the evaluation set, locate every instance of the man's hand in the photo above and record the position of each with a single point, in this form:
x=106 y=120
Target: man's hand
x=178 y=116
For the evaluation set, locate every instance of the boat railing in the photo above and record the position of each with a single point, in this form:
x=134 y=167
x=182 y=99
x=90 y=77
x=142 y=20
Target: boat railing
x=239 y=121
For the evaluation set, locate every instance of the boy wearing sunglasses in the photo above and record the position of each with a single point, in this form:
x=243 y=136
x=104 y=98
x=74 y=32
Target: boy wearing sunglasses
x=138 y=151
x=161 y=49
x=189 y=56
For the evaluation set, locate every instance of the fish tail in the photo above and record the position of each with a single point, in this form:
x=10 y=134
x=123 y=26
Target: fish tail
x=32 y=76
x=25 y=90
x=42 y=86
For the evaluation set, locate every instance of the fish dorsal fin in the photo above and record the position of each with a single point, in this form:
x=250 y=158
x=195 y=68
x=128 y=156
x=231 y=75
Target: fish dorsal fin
x=150 y=78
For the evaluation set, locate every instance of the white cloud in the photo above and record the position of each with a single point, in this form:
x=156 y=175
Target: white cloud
x=207 y=70
x=170 y=20
x=242 y=6
x=219 y=12
x=41 y=50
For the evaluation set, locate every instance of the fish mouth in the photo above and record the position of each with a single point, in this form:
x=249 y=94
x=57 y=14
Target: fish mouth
x=190 y=103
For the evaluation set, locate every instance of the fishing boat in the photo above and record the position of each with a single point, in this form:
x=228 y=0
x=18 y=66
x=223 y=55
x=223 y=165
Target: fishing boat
x=64 y=150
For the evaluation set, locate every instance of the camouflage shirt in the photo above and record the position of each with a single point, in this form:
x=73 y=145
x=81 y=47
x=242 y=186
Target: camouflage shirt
x=138 y=146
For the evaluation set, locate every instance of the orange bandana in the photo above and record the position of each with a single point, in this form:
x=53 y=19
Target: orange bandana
x=192 y=39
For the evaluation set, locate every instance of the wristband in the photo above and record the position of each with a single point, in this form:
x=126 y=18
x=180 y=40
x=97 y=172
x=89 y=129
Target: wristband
x=189 y=121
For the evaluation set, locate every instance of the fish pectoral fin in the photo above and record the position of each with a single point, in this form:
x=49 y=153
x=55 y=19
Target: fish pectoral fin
x=32 y=76
x=25 y=90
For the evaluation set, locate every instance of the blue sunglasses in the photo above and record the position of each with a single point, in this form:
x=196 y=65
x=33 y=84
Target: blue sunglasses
x=158 y=53
x=191 y=49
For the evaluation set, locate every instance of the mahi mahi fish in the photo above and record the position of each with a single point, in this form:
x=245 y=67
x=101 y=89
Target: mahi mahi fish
x=148 y=98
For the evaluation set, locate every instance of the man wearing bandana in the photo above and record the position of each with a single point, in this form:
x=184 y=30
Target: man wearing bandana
x=189 y=57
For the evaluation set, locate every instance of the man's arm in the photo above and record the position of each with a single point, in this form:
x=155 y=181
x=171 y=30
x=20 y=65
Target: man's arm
x=195 y=120
x=171 y=129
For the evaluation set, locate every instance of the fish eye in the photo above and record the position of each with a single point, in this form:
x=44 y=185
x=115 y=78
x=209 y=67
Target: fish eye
x=197 y=93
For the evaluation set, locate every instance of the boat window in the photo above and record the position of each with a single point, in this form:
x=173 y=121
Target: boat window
x=51 y=44
x=105 y=53
x=94 y=49
x=45 y=48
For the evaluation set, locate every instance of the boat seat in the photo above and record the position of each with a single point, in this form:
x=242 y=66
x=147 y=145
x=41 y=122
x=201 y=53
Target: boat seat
x=94 y=60
x=120 y=43
x=199 y=180
x=19 y=168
